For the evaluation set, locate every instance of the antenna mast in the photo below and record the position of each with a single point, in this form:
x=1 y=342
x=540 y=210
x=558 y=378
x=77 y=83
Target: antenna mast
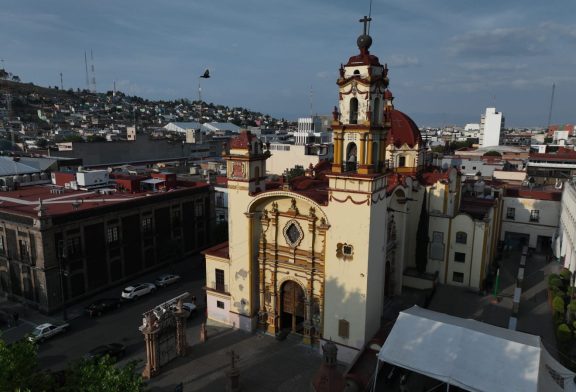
x=551 y=105
x=93 y=71
x=61 y=82
x=86 y=65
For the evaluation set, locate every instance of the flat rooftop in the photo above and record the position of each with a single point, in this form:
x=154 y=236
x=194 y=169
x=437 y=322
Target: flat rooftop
x=59 y=201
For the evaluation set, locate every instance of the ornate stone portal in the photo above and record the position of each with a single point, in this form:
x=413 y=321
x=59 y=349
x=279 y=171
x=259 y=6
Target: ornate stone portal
x=164 y=330
x=291 y=268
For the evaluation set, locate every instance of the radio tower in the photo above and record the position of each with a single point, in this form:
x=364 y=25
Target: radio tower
x=93 y=72
x=86 y=65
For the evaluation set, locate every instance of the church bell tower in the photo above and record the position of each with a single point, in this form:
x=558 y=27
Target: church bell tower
x=359 y=123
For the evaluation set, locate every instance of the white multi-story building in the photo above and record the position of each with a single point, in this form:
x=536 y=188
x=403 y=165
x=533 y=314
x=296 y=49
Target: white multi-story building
x=491 y=124
x=566 y=243
x=312 y=130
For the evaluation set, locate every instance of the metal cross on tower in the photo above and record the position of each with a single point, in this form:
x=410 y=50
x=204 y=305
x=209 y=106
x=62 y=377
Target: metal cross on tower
x=366 y=20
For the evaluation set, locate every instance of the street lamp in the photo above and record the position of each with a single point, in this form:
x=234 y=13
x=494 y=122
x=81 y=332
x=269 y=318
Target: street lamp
x=62 y=255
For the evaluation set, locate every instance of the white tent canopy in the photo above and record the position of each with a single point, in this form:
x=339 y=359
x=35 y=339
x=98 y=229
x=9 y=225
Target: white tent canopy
x=472 y=355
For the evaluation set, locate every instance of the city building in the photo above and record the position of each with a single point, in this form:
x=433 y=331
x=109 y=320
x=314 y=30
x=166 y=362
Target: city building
x=491 y=124
x=58 y=244
x=565 y=244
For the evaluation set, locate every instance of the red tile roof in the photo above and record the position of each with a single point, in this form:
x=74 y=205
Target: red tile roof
x=221 y=250
x=243 y=140
x=403 y=130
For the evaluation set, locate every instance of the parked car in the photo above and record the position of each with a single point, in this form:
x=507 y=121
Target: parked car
x=46 y=331
x=138 y=290
x=166 y=279
x=102 y=305
x=113 y=350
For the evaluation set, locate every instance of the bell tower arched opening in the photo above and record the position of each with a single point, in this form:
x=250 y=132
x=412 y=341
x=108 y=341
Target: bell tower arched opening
x=351 y=157
x=353 y=111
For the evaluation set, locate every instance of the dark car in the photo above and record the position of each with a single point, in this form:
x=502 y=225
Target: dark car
x=103 y=305
x=113 y=350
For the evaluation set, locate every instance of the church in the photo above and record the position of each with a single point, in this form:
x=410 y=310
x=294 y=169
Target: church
x=320 y=255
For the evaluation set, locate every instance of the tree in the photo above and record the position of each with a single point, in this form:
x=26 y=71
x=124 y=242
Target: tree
x=296 y=171
x=493 y=153
x=19 y=371
x=19 y=367
x=102 y=375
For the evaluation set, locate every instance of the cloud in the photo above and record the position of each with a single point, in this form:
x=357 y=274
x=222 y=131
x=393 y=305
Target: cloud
x=402 y=61
x=485 y=66
x=499 y=42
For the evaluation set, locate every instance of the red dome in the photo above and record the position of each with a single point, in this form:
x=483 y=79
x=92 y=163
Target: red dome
x=403 y=130
x=388 y=94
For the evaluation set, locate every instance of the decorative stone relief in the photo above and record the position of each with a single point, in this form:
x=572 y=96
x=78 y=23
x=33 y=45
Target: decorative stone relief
x=344 y=251
x=293 y=233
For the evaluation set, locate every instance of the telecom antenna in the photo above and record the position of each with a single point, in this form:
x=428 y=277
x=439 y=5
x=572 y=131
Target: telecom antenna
x=93 y=71
x=551 y=106
x=87 y=78
x=61 y=82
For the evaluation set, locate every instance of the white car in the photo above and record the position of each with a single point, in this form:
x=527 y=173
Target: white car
x=186 y=306
x=166 y=279
x=47 y=330
x=138 y=290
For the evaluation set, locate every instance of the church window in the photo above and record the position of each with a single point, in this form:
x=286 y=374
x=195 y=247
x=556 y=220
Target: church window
x=461 y=237
x=293 y=233
x=457 y=277
x=353 y=111
x=343 y=329
x=219 y=284
x=401 y=161
x=437 y=246
x=356 y=72
x=347 y=250
x=459 y=257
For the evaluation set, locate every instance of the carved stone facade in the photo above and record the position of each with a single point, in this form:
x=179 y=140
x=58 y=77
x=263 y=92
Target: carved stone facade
x=291 y=260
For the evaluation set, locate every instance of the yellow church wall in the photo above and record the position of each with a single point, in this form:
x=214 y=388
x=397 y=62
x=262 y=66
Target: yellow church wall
x=241 y=279
x=350 y=281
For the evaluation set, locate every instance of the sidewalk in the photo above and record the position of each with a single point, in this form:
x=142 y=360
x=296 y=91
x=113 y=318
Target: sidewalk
x=265 y=364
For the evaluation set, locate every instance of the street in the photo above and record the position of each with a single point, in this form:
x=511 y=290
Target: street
x=116 y=326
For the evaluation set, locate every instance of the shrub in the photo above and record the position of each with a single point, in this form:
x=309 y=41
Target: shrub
x=563 y=333
x=565 y=275
x=554 y=282
x=558 y=304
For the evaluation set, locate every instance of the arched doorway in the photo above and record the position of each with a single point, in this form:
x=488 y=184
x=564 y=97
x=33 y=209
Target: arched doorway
x=292 y=309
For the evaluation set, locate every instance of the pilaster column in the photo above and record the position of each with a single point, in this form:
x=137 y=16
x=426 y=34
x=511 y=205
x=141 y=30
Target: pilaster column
x=370 y=161
x=361 y=151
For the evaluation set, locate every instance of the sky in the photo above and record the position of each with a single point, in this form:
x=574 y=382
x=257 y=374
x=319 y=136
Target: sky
x=448 y=59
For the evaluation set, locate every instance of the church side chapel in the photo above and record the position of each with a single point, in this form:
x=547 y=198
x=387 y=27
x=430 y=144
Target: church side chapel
x=320 y=256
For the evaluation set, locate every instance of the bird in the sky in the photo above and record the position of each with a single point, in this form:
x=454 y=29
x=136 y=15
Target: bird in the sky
x=206 y=74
